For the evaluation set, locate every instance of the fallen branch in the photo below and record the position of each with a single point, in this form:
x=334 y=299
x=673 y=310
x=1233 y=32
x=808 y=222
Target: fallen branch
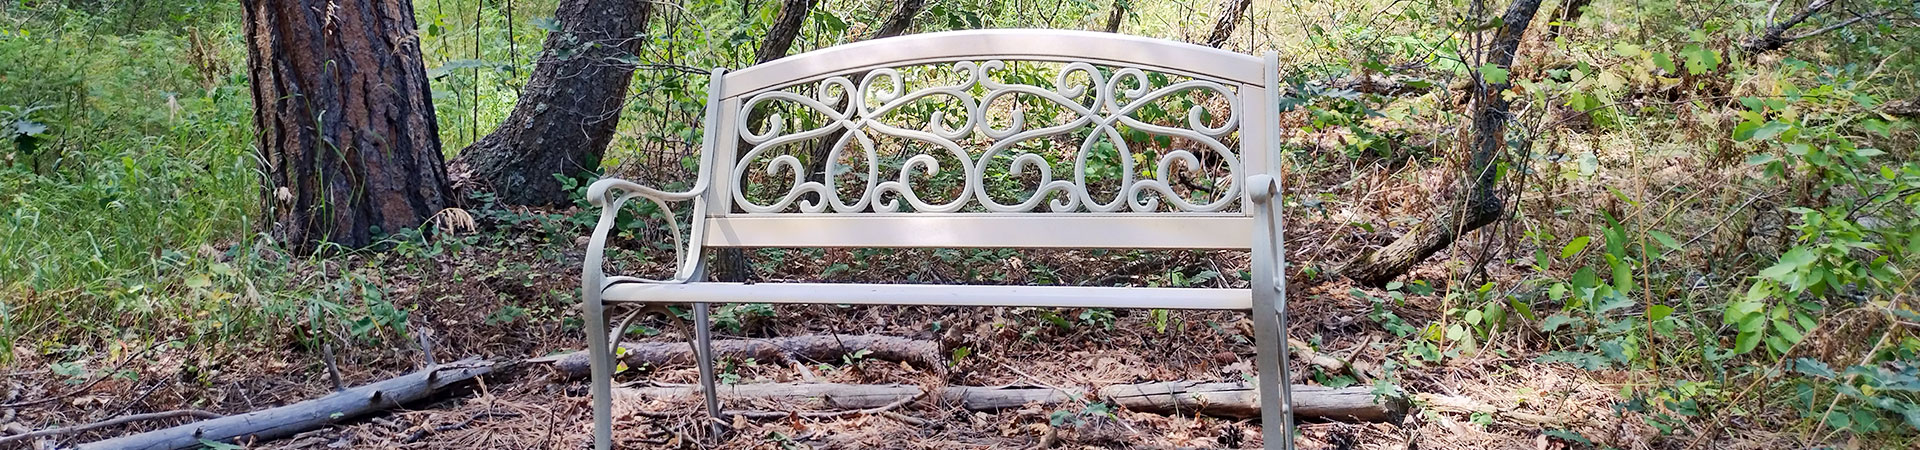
x=1235 y=400
x=862 y=396
x=295 y=418
x=1241 y=400
x=109 y=423
x=824 y=347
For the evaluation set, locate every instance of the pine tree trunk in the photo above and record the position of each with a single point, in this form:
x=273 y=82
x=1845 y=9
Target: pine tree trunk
x=566 y=114
x=1481 y=205
x=346 y=132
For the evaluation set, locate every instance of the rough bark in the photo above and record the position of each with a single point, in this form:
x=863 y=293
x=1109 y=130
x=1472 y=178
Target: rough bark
x=270 y=424
x=1224 y=24
x=345 y=125
x=1119 y=14
x=901 y=19
x=731 y=264
x=863 y=396
x=1240 y=400
x=825 y=347
x=1570 y=12
x=1231 y=400
x=1481 y=205
x=785 y=28
x=566 y=115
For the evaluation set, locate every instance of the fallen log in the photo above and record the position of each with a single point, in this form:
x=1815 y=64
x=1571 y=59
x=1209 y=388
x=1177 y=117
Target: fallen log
x=823 y=347
x=1232 y=400
x=25 y=435
x=299 y=417
x=1241 y=400
x=864 y=396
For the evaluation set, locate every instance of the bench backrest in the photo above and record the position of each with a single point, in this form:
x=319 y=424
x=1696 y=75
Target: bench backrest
x=941 y=142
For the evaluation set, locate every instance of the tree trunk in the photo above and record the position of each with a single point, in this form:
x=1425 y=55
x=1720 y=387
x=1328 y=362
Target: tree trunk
x=1119 y=13
x=1240 y=401
x=785 y=28
x=1570 y=12
x=346 y=131
x=897 y=23
x=732 y=264
x=1229 y=18
x=901 y=19
x=566 y=114
x=1481 y=205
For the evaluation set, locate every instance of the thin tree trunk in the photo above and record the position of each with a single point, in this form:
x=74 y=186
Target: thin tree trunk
x=566 y=114
x=1570 y=12
x=1224 y=24
x=896 y=24
x=1119 y=14
x=347 y=137
x=901 y=18
x=1774 y=36
x=785 y=28
x=732 y=264
x=1481 y=205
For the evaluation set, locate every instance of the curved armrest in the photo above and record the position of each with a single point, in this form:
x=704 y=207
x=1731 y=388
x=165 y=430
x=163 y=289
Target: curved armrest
x=611 y=193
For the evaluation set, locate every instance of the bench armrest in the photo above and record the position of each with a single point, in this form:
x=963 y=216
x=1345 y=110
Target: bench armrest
x=611 y=194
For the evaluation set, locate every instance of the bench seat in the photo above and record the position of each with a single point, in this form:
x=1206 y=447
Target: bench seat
x=933 y=294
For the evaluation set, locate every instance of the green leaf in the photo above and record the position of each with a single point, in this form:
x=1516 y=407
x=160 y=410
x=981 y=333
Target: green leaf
x=1761 y=159
x=1814 y=367
x=1771 y=129
x=1566 y=435
x=199 y=281
x=1474 y=317
x=1493 y=74
x=1744 y=131
x=1665 y=239
x=1574 y=247
x=1657 y=312
x=1554 y=322
x=1746 y=342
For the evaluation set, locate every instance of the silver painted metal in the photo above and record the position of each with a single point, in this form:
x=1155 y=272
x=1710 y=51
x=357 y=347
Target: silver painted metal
x=1101 y=82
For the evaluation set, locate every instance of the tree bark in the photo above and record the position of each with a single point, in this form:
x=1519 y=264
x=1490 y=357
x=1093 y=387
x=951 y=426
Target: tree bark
x=1224 y=24
x=566 y=115
x=1230 y=400
x=1119 y=14
x=270 y=424
x=731 y=264
x=1481 y=205
x=1570 y=12
x=347 y=137
x=785 y=28
x=824 y=347
x=1240 y=401
x=863 y=396
x=901 y=19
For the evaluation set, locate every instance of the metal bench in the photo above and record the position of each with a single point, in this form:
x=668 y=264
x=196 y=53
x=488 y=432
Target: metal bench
x=1205 y=176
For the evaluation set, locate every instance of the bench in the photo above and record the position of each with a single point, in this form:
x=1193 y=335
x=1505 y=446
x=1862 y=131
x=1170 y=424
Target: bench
x=953 y=140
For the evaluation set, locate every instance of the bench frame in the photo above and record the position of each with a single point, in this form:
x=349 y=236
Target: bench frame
x=722 y=217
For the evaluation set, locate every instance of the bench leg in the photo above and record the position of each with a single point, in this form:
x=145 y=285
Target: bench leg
x=600 y=360
x=703 y=352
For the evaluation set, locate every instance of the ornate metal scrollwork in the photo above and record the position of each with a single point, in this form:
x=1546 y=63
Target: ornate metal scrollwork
x=1099 y=102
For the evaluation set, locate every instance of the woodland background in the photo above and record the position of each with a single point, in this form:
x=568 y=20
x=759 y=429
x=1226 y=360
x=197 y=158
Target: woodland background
x=1701 y=229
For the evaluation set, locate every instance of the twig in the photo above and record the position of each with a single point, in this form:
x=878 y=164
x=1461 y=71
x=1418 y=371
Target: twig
x=333 y=369
x=111 y=422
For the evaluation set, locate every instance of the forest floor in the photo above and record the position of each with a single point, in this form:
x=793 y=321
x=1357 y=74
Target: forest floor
x=511 y=300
